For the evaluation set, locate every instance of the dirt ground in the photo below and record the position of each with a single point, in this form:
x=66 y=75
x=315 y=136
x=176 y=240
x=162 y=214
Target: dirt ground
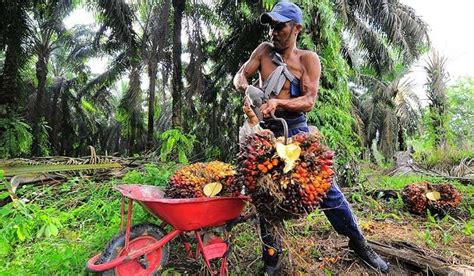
x=314 y=248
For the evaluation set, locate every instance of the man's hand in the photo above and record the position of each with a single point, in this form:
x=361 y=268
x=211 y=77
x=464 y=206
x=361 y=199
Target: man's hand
x=252 y=117
x=269 y=107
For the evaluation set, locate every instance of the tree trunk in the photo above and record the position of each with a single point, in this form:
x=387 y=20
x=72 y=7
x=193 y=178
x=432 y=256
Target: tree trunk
x=9 y=88
x=164 y=84
x=178 y=6
x=426 y=263
x=54 y=120
x=41 y=74
x=152 y=70
x=66 y=129
x=158 y=43
x=134 y=108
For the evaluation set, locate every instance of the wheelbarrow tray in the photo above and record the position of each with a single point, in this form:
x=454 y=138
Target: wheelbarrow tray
x=187 y=214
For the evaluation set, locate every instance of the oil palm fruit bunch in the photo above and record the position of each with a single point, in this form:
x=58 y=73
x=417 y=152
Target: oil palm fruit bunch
x=438 y=198
x=202 y=180
x=285 y=181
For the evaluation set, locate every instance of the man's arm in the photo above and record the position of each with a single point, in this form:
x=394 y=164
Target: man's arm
x=309 y=87
x=249 y=68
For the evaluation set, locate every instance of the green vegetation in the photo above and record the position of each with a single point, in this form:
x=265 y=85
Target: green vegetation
x=72 y=108
x=60 y=226
x=15 y=139
x=461 y=99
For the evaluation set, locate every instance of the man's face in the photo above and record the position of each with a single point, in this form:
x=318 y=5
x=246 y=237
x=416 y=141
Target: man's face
x=283 y=34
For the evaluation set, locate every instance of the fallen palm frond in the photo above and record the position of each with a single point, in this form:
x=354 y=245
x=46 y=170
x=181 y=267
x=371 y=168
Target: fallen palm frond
x=47 y=168
x=21 y=171
x=39 y=166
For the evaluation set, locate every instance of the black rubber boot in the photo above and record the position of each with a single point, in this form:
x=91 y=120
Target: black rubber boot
x=368 y=255
x=271 y=257
x=271 y=249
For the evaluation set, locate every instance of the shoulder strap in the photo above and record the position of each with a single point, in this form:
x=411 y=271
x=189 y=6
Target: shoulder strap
x=276 y=57
x=277 y=78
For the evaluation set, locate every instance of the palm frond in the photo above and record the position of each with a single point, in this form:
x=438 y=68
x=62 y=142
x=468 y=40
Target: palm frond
x=382 y=27
x=386 y=108
x=118 y=66
x=83 y=49
x=118 y=16
x=376 y=50
x=437 y=76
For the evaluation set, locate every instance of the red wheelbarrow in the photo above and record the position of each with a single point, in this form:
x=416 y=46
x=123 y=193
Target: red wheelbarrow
x=144 y=249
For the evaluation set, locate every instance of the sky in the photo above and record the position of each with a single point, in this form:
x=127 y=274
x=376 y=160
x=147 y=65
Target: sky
x=451 y=32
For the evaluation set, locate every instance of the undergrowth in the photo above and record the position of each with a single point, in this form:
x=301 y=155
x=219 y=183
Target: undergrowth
x=56 y=228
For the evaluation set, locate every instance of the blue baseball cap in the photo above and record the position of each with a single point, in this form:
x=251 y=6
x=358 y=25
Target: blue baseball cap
x=283 y=11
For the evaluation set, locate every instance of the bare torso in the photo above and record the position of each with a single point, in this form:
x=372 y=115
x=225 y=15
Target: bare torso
x=303 y=64
x=295 y=66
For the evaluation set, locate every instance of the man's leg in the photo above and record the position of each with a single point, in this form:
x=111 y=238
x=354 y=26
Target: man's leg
x=271 y=248
x=339 y=213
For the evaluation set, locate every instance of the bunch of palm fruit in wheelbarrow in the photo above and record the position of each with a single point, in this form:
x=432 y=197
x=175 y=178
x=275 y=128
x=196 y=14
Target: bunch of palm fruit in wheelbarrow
x=203 y=180
x=285 y=180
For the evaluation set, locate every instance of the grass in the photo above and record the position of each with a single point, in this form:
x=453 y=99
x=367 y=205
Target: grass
x=373 y=178
x=91 y=215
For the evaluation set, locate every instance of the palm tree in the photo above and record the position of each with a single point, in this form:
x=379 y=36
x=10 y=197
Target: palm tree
x=135 y=51
x=234 y=34
x=14 y=32
x=48 y=34
x=131 y=106
x=155 y=32
x=388 y=112
x=437 y=76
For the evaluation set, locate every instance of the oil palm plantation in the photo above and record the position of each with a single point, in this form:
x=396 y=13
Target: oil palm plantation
x=355 y=39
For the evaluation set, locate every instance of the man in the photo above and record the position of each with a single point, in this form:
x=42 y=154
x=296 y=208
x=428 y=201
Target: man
x=289 y=80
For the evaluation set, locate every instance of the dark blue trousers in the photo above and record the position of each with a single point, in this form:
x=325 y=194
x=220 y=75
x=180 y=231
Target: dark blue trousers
x=335 y=205
x=337 y=210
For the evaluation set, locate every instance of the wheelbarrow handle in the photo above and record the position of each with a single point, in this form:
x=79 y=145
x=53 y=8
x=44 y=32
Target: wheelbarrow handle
x=284 y=123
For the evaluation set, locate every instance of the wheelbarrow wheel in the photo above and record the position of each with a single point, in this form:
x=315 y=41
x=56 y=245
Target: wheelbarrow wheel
x=141 y=235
